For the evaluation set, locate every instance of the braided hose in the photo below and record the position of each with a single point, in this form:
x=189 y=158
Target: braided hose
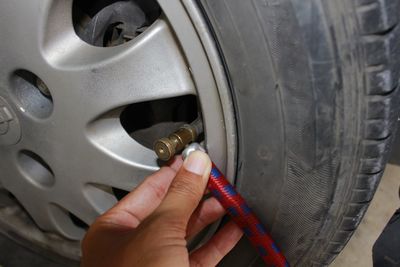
x=242 y=215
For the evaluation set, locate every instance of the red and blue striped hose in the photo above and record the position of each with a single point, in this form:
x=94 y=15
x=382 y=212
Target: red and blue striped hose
x=245 y=218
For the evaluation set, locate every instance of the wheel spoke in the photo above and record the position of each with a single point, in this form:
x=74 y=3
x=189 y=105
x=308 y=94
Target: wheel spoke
x=22 y=22
x=48 y=215
x=40 y=209
x=63 y=223
x=119 y=154
x=97 y=80
x=37 y=209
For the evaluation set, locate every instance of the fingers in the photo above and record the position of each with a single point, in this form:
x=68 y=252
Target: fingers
x=217 y=247
x=186 y=190
x=176 y=163
x=141 y=202
x=206 y=213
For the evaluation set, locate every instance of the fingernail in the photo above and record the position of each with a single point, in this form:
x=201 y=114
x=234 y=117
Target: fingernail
x=196 y=162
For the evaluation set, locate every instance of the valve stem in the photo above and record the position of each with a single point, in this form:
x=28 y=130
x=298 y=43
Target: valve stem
x=167 y=147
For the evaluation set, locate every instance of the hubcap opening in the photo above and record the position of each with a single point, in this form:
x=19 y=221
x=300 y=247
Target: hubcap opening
x=78 y=222
x=32 y=94
x=36 y=169
x=149 y=121
x=119 y=193
x=110 y=22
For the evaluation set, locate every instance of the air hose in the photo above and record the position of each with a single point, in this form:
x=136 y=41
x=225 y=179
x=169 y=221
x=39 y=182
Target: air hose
x=241 y=214
x=225 y=193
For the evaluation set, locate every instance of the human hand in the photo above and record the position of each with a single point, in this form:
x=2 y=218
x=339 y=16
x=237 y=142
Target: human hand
x=151 y=225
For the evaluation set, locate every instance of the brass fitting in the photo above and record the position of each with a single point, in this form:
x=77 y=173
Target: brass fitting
x=167 y=147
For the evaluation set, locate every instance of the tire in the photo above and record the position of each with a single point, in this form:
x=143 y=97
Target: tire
x=315 y=91
x=314 y=87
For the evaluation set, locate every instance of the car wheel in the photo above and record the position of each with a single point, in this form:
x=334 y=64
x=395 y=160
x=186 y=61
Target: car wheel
x=86 y=89
x=298 y=101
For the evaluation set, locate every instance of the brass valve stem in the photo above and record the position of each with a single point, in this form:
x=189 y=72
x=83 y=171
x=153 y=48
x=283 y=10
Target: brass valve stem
x=167 y=147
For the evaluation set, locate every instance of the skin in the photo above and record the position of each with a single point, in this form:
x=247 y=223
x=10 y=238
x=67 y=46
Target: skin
x=151 y=225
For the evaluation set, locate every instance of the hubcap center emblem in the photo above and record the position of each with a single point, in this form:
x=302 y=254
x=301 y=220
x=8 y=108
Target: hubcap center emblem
x=10 y=130
x=5 y=119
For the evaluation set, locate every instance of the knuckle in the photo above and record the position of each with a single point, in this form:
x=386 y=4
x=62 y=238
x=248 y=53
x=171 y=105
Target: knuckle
x=176 y=227
x=218 y=252
x=170 y=224
x=186 y=186
x=194 y=262
x=167 y=171
x=158 y=190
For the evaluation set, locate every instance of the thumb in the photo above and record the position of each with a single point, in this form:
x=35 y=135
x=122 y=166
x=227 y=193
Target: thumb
x=187 y=188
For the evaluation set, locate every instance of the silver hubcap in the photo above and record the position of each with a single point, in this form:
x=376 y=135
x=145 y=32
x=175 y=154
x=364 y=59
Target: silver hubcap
x=62 y=145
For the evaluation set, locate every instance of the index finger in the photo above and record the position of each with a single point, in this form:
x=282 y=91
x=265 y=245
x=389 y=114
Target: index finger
x=142 y=201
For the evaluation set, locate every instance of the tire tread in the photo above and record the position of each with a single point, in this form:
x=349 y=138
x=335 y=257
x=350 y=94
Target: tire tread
x=380 y=34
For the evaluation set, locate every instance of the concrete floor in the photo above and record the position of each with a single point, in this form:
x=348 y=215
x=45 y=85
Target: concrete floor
x=358 y=251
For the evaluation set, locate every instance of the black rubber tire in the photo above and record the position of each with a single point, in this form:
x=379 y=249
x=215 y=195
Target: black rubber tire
x=315 y=89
